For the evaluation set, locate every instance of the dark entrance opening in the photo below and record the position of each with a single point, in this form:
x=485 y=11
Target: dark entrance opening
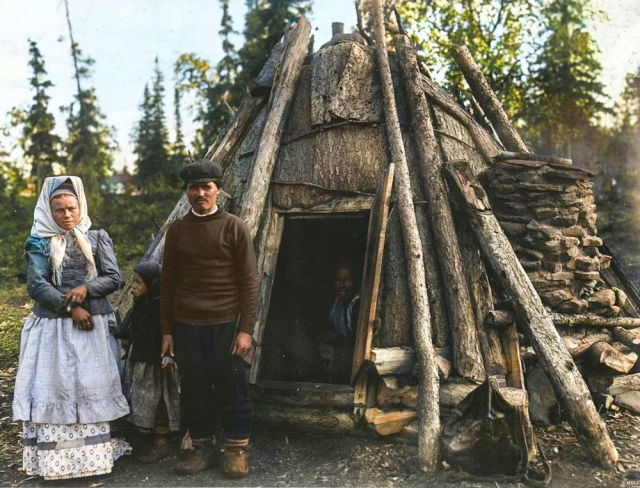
x=302 y=340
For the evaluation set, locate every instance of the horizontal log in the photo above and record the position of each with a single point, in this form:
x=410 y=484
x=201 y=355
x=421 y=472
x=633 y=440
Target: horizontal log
x=506 y=155
x=503 y=318
x=606 y=355
x=304 y=419
x=620 y=384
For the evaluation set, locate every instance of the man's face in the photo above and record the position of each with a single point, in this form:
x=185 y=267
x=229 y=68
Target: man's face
x=343 y=283
x=66 y=211
x=203 y=196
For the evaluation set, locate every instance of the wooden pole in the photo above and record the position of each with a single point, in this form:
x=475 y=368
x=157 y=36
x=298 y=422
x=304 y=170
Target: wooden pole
x=488 y=100
x=503 y=318
x=466 y=351
x=284 y=87
x=570 y=389
x=428 y=411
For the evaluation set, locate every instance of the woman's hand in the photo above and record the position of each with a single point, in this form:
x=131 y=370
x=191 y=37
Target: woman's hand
x=81 y=318
x=242 y=345
x=167 y=348
x=75 y=296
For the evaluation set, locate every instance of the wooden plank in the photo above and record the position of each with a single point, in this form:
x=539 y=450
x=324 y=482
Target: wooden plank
x=570 y=389
x=282 y=94
x=269 y=247
x=371 y=281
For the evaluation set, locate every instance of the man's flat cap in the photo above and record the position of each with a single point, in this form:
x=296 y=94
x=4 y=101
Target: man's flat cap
x=202 y=171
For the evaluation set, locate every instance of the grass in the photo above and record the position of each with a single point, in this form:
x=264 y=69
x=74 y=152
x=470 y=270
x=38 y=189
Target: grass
x=15 y=305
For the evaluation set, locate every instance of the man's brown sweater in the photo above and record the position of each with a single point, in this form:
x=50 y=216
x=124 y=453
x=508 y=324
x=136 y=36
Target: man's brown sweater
x=209 y=273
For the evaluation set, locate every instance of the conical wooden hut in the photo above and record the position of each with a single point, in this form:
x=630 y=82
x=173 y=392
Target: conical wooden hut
x=307 y=166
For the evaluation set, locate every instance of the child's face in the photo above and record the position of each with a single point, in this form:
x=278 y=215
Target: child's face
x=138 y=288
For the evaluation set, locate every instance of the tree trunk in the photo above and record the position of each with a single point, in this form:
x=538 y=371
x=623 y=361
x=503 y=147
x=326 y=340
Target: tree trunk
x=466 y=352
x=570 y=388
x=284 y=87
x=429 y=420
x=488 y=100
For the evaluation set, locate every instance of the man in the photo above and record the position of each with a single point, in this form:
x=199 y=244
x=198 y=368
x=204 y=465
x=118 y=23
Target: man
x=209 y=276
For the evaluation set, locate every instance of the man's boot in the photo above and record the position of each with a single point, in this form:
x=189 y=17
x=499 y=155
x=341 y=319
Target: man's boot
x=234 y=463
x=201 y=458
x=156 y=450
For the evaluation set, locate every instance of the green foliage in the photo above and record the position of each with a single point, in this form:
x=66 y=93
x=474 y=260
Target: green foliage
x=565 y=95
x=496 y=32
x=264 y=25
x=219 y=90
x=151 y=137
x=131 y=220
x=90 y=143
x=40 y=146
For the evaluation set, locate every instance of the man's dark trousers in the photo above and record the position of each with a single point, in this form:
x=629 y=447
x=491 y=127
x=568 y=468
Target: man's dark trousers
x=210 y=375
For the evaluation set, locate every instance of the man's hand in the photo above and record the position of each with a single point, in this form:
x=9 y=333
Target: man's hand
x=75 y=296
x=242 y=345
x=81 y=318
x=167 y=348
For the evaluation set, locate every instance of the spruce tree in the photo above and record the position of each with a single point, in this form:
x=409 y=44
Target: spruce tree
x=40 y=145
x=152 y=137
x=178 y=149
x=90 y=143
x=565 y=96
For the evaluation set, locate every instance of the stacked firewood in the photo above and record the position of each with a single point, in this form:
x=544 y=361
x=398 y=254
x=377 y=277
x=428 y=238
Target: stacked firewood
x=547 y=210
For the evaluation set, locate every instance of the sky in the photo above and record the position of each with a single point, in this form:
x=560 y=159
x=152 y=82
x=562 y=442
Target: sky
x=125 y=36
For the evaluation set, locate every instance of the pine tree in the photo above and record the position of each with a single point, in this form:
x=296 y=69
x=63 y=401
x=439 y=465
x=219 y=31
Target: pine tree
x=40 y=145
x=90 y=143
x=565 y=95
x=152 y=137
x=178 y=149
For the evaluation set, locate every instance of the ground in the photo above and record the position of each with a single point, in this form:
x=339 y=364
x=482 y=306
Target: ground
x=290 y=459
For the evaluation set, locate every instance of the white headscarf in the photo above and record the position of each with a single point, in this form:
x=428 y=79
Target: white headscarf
x=44 y=226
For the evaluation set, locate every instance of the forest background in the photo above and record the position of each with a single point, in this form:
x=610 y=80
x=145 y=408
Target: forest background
x=540 y=57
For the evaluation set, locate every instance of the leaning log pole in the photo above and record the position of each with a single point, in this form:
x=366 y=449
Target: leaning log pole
x=568 y=385
x=466 y=351
x=488 y=100
x=428 y=408
x=284 y=87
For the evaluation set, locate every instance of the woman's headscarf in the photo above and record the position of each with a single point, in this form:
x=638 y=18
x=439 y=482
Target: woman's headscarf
x=44 y=226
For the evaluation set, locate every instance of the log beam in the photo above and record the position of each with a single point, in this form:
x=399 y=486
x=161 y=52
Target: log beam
x=503 y=318
x=284 y=87
x=428 y=411
x=467 y=359
x=488 y=100
x=568 y=385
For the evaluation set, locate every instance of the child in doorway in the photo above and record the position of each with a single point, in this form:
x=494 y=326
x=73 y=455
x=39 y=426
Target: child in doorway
x=153 y=381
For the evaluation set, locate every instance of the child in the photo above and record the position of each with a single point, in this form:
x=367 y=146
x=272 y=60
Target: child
x=154 y=389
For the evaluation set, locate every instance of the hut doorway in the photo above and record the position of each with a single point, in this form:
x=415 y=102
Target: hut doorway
x=320 y=262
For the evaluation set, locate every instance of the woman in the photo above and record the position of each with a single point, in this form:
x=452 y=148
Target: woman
x=68 y=382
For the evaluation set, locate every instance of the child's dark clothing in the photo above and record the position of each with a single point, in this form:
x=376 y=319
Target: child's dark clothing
x=154 y=392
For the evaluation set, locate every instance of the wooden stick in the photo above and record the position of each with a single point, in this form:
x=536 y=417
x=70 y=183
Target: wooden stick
x=284 y=87
x=428 y=412
x=569 y=387
x=503 y=318
x=466 y=352
x=488 y=100
x=505 y=155
x=628 y=338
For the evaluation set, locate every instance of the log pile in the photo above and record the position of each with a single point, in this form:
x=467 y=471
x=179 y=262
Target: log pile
x=547 y=210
